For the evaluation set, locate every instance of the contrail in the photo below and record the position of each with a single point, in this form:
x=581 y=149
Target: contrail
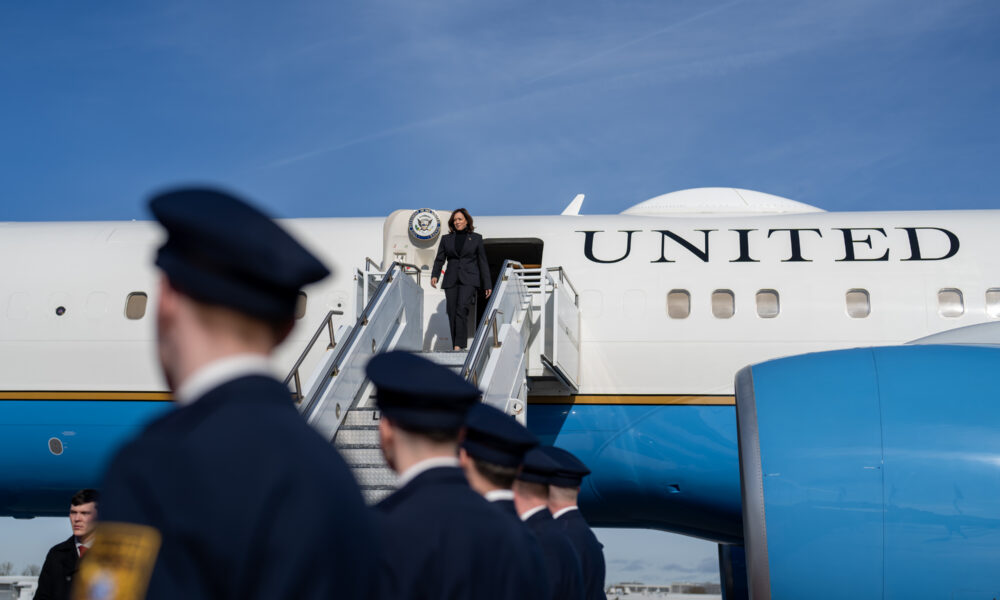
x=360 y=140
x=385 y=133
x=378 y=135
x=637 y=40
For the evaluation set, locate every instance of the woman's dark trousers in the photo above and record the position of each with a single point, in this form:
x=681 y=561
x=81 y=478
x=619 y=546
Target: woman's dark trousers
x=459 y=300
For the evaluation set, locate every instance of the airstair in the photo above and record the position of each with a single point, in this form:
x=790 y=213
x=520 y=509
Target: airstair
x=530 y=332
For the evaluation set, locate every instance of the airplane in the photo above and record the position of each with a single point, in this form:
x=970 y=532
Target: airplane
x=676 y=295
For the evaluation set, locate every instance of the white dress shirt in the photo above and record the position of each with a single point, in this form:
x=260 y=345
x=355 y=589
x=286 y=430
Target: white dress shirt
x=425 y=465
x=529 y=513
x=495 y=495
x=563 y=511
x=220 y=371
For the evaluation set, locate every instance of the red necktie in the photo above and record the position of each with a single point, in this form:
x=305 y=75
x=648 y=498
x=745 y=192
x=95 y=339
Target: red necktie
x=83 y=550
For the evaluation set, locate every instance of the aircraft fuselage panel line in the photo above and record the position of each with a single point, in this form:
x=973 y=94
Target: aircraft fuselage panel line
x=87 y=395
x=637 y=399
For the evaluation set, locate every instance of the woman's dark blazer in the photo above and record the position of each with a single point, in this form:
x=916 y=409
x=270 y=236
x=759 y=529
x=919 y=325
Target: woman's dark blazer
x=468 y=269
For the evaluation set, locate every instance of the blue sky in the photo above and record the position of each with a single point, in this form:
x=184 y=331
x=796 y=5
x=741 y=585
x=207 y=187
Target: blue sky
x=356 y=108
x=318 y=108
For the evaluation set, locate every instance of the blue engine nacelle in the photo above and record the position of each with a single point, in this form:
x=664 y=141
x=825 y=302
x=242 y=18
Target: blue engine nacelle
x=872 y=473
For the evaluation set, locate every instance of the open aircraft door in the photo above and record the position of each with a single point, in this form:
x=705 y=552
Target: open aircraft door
x=527 y=251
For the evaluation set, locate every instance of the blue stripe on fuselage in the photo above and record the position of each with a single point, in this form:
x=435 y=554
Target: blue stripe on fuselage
x=36 y=482
x=674 y=468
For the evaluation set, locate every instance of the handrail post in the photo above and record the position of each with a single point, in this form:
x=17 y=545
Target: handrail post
x=329 y=327
x=496 y=335
x=415 y=268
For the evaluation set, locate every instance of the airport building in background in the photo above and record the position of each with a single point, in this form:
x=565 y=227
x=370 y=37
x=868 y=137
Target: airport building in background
x=18 y=587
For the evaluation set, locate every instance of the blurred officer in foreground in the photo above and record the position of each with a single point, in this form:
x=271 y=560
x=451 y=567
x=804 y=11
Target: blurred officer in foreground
x=60 y=563
x=491 y=452
x=531 y=493
x=564 y=489
x=232 y=494
x=440 y=539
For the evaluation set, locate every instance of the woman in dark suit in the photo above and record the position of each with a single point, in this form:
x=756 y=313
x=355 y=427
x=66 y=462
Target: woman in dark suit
x=467 y=272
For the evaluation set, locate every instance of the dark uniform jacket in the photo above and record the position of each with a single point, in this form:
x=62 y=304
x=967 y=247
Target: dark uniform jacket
x=561 y=561
x=507 y=506
x=250 y=501
x=469 y=268
x=57 y=572
x=442 y=540
x=590 y=551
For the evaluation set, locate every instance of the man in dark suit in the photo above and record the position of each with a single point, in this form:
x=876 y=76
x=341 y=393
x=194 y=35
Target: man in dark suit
x=60 y=563
x=232 y=494
x=440 y=539
x=564 y=489
x=467 y=272
x=530 y=498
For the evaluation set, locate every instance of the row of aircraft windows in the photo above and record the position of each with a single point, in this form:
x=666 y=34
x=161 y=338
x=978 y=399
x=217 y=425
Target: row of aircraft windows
x=951 y=303
x=135 y=305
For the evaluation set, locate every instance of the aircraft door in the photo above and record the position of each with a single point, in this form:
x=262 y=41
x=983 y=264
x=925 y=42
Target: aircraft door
x=527 y=251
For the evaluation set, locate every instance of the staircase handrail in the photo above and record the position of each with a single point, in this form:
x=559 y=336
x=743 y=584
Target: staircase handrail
x=564 y=278
x=414 y=270
x=355 y=332
x=478 y=346
x=294 y=373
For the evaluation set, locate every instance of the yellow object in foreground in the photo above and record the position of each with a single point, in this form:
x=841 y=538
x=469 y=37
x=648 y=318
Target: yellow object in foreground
x=119 y=564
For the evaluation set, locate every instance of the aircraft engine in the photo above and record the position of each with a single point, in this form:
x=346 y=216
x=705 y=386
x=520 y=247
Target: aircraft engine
x=872 y=473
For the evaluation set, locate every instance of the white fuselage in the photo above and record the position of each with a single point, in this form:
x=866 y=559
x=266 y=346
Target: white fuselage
x=630 y=344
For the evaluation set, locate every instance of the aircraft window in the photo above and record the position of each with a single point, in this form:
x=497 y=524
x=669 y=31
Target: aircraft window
x=135 y=305
x=993 y=302
x=723 y=304
x=767 y=304
x=678 y=304
x=950 y=303
x=300 y=306
x=858 y=304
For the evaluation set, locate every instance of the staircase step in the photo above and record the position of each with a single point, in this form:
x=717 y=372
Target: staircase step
x=360 y=419
x=375 y=495
x=363 y=457
x=368 y=397
x=374 y=477
x=356 y=438
x=455 y=360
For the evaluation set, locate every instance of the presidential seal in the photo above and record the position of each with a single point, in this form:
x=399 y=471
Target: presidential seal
x=425 y=226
